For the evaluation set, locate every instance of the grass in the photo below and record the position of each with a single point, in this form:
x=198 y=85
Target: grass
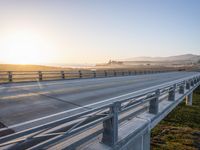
x=180 y=129
x=14 y=67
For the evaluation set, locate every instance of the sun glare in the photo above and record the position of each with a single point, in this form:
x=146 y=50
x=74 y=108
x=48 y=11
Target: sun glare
x=24 y=47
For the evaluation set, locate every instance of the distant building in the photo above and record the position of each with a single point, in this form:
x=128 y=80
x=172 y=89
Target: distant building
x=115 y=62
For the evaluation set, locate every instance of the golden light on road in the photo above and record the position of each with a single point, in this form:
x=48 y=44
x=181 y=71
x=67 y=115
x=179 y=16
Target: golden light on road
x=26 y=47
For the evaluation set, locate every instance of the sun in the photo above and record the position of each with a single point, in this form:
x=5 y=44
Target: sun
x=24 y=47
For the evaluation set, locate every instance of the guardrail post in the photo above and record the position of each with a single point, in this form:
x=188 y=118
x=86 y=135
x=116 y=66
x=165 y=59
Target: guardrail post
x=80 y=74
x=154 y=103
x=189 y=99
x=195 y=80
x=182 y=89
x=122 y=73
x=105 y=72
x=94 y=74
x=192 y=82
x=198 y=79
x=172 y=92
x=188 y=85
x=115 y=74
x=62 y=74
x=10 y=76
x=110 y=126
x=135 y=72
x=40 y=75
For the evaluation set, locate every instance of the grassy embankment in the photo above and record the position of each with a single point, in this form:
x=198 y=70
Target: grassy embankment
x=180 y=130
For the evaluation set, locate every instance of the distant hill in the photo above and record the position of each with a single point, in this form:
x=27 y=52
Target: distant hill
x=171 y=61
x=186 y=57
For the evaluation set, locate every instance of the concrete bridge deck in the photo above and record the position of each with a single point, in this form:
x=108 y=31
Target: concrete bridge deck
x=20 y=102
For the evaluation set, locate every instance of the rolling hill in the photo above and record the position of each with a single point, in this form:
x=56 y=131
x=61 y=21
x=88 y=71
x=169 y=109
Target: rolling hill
x=185 y=57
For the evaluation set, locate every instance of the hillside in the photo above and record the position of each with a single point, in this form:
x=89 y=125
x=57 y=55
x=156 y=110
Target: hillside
x=186 y=60
x=185 y=57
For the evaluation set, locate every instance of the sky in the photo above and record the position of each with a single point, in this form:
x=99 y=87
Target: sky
x=94 y=31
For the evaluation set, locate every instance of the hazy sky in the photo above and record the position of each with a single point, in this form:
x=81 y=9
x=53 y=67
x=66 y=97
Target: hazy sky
x=89 y=31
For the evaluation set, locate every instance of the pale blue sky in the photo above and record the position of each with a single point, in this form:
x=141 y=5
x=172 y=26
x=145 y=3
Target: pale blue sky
x=89 y=31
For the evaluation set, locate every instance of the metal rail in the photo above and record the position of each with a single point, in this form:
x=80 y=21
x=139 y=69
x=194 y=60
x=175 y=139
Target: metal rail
x=101 y=120
x=22 y=76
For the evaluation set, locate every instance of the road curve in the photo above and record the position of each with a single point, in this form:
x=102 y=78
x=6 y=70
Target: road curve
x=20 y=102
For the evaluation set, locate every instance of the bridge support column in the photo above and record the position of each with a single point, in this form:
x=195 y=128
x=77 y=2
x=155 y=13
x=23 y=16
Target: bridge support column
x=189 y=99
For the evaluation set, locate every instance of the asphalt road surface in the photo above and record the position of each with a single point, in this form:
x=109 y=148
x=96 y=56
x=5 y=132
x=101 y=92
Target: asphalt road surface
x=20 y=102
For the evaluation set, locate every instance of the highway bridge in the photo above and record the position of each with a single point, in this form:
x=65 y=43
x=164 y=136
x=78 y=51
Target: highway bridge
x=96 y=113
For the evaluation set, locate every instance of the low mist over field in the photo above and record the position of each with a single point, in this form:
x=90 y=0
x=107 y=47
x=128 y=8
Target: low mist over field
x=187 y=60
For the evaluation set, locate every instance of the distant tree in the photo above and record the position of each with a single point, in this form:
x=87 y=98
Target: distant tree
x=199 y=61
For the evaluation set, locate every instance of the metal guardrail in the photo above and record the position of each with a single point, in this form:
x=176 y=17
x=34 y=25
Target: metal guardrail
x=18 y=76
x=102 y=120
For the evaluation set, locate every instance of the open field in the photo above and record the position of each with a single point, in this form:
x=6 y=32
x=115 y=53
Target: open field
x=12 y=67
x=180 y=129
x=16 y=67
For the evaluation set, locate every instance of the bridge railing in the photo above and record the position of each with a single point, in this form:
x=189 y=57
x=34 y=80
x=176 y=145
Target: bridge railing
x=19 y=76
x=70 y=132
